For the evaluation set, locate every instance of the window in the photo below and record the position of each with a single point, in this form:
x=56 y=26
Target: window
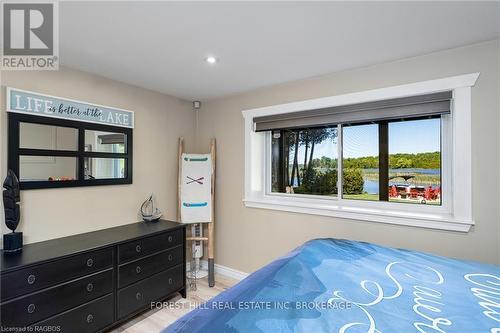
x=412 y=173
x=48 y=152
x=305 y=161
x=391 y=155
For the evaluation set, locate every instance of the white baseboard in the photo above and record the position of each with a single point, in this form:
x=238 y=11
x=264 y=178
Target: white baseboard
x=222 y=270
x=230 y=272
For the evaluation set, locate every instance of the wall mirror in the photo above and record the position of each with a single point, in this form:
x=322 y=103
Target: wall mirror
x=48 y=152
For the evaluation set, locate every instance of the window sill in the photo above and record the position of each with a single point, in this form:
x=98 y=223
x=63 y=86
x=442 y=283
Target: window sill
x=358 y=212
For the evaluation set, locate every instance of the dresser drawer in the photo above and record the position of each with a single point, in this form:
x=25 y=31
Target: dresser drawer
x=144 y=246
x=140 y=295
x=32 y=308
x=27 y=280
x=90 y=317
x=142 y=268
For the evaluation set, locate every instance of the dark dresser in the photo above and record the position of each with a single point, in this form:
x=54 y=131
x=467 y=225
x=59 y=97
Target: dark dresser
x=90 y=282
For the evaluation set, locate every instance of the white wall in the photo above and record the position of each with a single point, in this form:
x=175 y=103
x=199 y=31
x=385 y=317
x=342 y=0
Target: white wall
x=248 y=238
x=160 y=120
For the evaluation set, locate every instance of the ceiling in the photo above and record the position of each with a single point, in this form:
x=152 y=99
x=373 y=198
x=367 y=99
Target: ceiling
x=162 y=45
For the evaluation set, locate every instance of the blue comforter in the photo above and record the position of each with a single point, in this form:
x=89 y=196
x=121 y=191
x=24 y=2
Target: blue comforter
x=329 y=285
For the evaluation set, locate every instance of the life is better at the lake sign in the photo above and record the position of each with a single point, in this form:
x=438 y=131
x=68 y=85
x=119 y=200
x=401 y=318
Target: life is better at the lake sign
x=28 y=102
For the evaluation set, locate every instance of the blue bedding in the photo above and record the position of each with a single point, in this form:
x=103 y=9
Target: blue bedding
x=330 y=285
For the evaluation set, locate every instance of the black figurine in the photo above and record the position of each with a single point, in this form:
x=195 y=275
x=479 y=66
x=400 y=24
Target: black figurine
x=12 y=242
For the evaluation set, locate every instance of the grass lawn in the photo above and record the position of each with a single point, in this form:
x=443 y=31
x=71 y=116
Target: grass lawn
x=364 y=196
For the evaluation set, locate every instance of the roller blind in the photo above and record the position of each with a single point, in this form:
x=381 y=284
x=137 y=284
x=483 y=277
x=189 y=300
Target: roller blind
x=398 y=108
x=112 y=138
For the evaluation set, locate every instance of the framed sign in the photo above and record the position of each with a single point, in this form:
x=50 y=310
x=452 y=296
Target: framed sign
x=36 y=104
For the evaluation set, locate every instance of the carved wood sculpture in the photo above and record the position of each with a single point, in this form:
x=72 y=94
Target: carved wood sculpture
x=11 y=201
x=13 y=241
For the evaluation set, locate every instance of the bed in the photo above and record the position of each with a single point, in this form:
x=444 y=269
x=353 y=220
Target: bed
x=331 y=285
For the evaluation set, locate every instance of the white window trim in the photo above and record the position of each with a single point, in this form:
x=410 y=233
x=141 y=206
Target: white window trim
x=455 y=213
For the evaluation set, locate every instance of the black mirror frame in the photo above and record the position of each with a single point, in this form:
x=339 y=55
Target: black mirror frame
x=14 y=151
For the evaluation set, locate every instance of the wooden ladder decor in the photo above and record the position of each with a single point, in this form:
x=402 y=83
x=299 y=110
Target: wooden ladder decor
x=210 y=225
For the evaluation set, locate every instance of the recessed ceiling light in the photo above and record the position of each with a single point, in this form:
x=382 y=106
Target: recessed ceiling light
x=211 y=60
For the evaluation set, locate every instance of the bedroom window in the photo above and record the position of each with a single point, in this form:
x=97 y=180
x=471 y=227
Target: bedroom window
x=395 y=161
x=399 y=155
x=390 y=150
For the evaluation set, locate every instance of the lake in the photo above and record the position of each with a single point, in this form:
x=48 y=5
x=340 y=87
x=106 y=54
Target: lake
x=410 y=171
x=371 y=185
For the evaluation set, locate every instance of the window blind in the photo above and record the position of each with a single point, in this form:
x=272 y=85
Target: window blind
x=398 y=108
x=112 y=138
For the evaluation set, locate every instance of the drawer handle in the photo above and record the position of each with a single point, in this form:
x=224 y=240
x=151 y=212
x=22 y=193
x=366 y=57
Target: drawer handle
x=169 y=257
x=138 y=269
x=90 y=318
x=90 y=262
x=138 y=249
x=31 y=308
x=170 y=239
x=138 y=296
x=31 y=279
x=170 y=281
x=90 y=287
